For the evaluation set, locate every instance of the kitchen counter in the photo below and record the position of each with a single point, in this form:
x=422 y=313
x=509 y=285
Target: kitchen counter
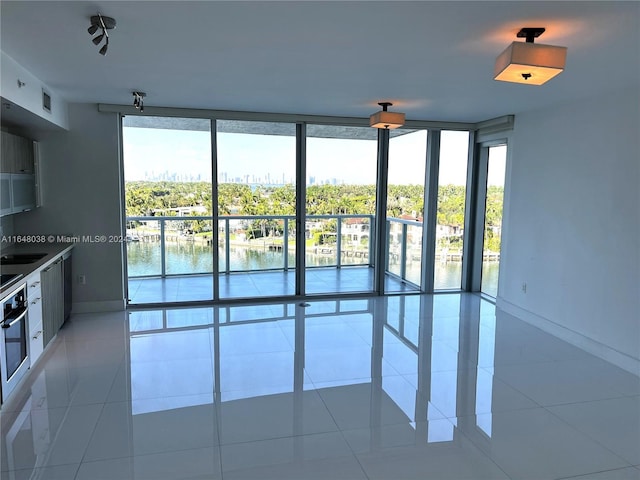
x=52 y=250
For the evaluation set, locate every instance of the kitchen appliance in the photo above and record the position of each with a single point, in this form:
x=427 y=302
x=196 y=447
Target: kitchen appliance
x=14 y=357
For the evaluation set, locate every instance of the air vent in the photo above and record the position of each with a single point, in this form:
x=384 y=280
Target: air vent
x=46 y=101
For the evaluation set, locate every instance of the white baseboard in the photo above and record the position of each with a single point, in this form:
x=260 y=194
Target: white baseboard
x=600 y=350
x=95 y=307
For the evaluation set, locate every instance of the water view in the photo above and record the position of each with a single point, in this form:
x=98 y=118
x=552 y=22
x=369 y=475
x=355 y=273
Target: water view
x=145 y=259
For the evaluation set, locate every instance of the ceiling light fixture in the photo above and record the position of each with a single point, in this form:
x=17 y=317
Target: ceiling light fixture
x=528 y=62
x=385 y=119
x=103 y=50
x=138 y=101
x=98 y=22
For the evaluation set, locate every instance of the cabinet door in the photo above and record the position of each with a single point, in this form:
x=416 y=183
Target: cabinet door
x=6 y=197
x=24 y=156
x=23 y=189
x=17 y=154
x=36 y=346
x=9 y=145
x=52 y=300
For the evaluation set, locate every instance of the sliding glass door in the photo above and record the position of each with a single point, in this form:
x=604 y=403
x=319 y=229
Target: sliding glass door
x=167 y=184
x=340 y=208
x=405 y=210
x=256 y=169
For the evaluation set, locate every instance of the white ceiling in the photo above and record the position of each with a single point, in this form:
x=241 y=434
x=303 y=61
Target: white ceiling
x=434 y=60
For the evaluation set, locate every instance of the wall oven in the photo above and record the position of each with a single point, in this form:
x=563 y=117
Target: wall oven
x=14 y=356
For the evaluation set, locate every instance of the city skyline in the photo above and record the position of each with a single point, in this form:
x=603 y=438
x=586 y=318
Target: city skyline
x=150 y=155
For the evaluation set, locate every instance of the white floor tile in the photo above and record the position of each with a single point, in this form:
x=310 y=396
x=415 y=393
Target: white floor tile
x=57 y=472
x=448 y=388
x=535 y=444
x=453 y=459
x=283 y=454
x=44 y=438
x=366 y=405
x=203 y=464
x=613 y=423
x=273 y=416
x=342 y=365
x=491 y=394
x=555 y=383
x=618 y=474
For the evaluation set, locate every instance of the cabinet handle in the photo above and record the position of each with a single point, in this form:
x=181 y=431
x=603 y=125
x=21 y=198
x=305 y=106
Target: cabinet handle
x=35 y=301
x=34 y=284
x=35 y=337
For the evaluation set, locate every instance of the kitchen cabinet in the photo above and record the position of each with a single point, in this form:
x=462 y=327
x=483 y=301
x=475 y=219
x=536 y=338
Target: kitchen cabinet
x=52 y=300
x=23 y=192
x=34 y=299
x=17 y=175
x=17 y=154
x=18 y=193
x=6 y=197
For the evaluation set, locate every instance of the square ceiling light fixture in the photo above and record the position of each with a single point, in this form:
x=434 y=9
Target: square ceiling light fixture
x=385 y=119
x=528 y=62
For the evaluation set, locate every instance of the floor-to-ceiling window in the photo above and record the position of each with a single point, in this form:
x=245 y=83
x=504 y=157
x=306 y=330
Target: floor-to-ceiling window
x=340 y=218
x=167 y=182
x=496 y=165
x=256 y=168
x=248 y=235
x=405 y=209
x=452 y=188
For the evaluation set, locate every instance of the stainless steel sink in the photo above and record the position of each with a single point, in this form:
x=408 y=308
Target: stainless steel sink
x=21 y=258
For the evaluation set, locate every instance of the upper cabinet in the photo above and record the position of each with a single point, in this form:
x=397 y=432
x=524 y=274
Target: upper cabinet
x=17 y=154
x=17 y=174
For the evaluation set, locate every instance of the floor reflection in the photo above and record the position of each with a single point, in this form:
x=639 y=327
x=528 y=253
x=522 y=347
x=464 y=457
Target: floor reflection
x=395 y=387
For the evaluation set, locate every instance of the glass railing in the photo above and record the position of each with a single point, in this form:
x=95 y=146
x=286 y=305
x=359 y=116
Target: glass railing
x=404 y=249
x=163 y=246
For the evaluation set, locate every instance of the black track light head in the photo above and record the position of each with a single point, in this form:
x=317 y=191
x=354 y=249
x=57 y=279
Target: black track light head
x=98 y=39
x=105 y=47
x=93 y=29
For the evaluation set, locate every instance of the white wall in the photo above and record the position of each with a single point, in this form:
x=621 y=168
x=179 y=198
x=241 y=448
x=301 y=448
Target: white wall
x=28 y=94
x=81 y=196
x=573 y=224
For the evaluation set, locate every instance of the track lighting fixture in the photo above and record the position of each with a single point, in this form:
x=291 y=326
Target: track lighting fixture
x=138 y=101
x=98 y=22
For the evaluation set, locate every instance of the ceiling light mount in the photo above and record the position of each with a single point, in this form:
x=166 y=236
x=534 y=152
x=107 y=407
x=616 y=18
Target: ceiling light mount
x=528 y=62
x=386 y=119
x=99 y=22
x=530 y=33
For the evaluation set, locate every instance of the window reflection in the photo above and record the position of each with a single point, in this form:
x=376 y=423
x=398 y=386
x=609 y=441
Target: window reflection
x=407 y=351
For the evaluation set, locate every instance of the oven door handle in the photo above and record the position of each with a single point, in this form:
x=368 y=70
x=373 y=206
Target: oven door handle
x=13 y=320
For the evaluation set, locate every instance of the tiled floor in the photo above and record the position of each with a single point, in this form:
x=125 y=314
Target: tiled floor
x=415 y=387
x=257 y=284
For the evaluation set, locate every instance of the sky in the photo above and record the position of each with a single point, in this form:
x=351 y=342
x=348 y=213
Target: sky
x=149 y=152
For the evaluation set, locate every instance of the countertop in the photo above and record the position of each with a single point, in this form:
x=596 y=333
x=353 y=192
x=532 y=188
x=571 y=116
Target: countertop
x=52 y=250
